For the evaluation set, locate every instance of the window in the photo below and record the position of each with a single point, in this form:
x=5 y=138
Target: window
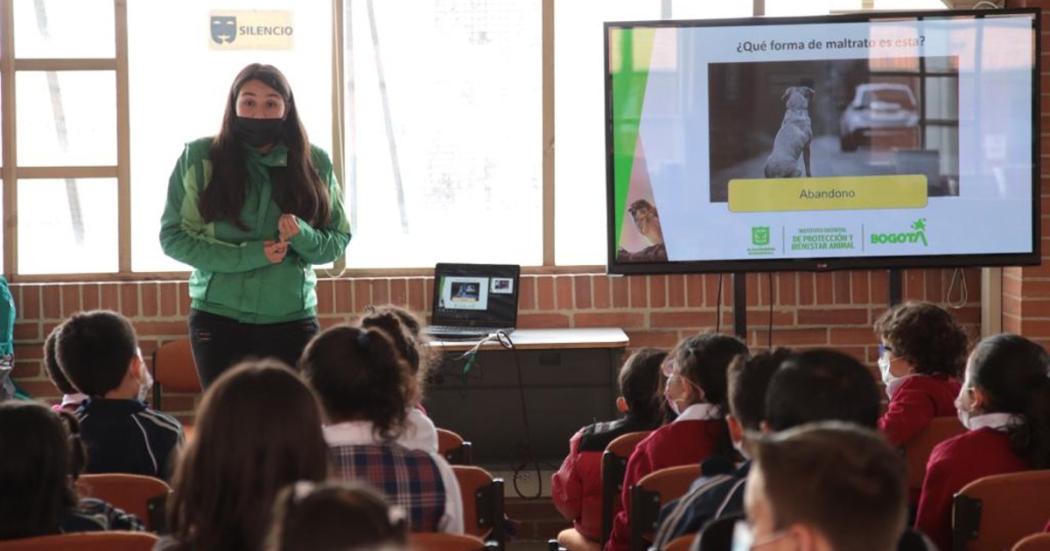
x=178 y=90
x=65 y=117
x=437 y=114
x=443 y=121
x=579 y=120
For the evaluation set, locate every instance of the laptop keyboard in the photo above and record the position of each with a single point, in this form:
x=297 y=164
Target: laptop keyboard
x=459 y=331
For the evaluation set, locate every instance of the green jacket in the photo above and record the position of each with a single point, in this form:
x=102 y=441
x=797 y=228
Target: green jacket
x=231 y=275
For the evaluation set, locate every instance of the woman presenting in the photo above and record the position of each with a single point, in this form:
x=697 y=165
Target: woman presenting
x=251 y=210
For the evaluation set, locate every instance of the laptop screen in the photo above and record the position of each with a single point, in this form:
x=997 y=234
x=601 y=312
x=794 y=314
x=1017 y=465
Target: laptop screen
x=476 y=295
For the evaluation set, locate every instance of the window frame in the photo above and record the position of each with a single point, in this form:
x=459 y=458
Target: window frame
x=11 y=173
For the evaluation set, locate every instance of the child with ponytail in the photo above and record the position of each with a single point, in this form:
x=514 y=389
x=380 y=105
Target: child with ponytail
x=696 y=391
x=365 y=387
x=1005 y=405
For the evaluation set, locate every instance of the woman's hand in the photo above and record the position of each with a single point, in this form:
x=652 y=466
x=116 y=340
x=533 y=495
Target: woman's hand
x=275 y=251
x=288 y=225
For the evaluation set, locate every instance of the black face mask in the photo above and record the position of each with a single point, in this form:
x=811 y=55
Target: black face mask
x=258 y=132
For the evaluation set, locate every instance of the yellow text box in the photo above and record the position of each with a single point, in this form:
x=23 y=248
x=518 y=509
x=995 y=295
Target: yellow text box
x=897 y=191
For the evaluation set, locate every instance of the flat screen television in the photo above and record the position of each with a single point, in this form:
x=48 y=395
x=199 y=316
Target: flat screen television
x=848 y=141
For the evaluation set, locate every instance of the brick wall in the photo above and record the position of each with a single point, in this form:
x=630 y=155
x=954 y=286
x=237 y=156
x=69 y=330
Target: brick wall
x=828 y=309
x=1026 y=291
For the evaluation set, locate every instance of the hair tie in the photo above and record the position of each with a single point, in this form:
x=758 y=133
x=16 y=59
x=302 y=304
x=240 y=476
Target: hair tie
x=363 y=340
x=302 y=489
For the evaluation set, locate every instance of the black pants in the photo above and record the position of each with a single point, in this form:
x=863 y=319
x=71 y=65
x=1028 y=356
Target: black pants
x=219 y=342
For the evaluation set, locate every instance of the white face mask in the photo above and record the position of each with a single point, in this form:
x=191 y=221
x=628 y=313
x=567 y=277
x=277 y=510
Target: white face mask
x=671 y=402
x=739 y=447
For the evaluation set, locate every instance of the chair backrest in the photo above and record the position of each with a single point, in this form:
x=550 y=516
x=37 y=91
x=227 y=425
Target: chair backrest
x=917 y=451
x=482 y=502
x=174 y=370
x=652 y=491
x=995 y=512
x=131 y=492
x=1035 y=542
x=454 y=448
x=681 y=543
x=86 y=541
x=433 y=541
x=614 y=465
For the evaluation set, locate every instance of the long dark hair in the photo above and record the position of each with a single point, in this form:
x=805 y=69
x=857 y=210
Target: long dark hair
x=1012 y=371
x=37 y=468
x=297 y=188
x=259 y=429
x=360 y=375
x=704 y=360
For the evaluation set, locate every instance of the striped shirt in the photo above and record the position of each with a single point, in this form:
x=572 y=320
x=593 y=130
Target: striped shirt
x=124 y=436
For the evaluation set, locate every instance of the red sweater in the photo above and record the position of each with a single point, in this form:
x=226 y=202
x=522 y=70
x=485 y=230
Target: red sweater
x=680 y=443
x=953 y=464
x=918 y=400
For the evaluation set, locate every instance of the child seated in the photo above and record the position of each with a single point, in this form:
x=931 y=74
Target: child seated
x=42 y=457
x=332 y=516
x=923 y=351
x=577 y=486
x=696 y=390
x=365 y=388
x=258 y=430
x=406 y=332
x=71 y=399
x=830 y=485
x=99 y=353
x=1005 y=405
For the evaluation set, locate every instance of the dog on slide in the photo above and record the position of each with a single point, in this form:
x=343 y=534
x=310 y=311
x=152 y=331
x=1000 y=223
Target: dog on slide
x=794 y=136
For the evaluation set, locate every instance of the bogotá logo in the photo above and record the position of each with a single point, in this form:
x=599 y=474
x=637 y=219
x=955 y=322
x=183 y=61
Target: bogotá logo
x=918 y=234
x=223 y=29
x=760 y=235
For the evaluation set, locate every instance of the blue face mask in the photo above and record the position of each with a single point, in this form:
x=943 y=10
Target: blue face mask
x=258 y=132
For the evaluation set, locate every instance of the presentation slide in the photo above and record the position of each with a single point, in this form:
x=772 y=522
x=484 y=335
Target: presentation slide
x=882 y=138
x=464 y=293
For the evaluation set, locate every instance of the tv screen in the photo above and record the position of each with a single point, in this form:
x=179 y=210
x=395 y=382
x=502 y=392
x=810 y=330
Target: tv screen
x=856 y=141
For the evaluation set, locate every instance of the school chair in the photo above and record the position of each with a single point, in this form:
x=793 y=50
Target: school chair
x=142 y=496
x=85 y=541
x=482 y=503
x=614 y=466
x=917 y=451
x=681 y=543
x=1035 y=542
x=435 y=541
x=174 y=371
x=995 y=512
x=454 y=448
x=651 y=492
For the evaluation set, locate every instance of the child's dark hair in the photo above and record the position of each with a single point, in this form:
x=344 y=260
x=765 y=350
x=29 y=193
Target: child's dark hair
x=639 y=383
x=359 y=374
x=748 y=380
x=925 y=335
x=704 y=360
x=334 y=517
x=406 y=331
x=1012 y=371
x=51 y=367
x=37 y=467
x=821 y=385
x=259 y=429
x=95 y=350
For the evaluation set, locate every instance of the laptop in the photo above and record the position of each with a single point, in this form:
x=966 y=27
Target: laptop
x=474 y=300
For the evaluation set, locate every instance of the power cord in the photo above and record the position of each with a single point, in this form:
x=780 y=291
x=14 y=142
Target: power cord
x=504 y=340
x=769 y=332
x=964 y=293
